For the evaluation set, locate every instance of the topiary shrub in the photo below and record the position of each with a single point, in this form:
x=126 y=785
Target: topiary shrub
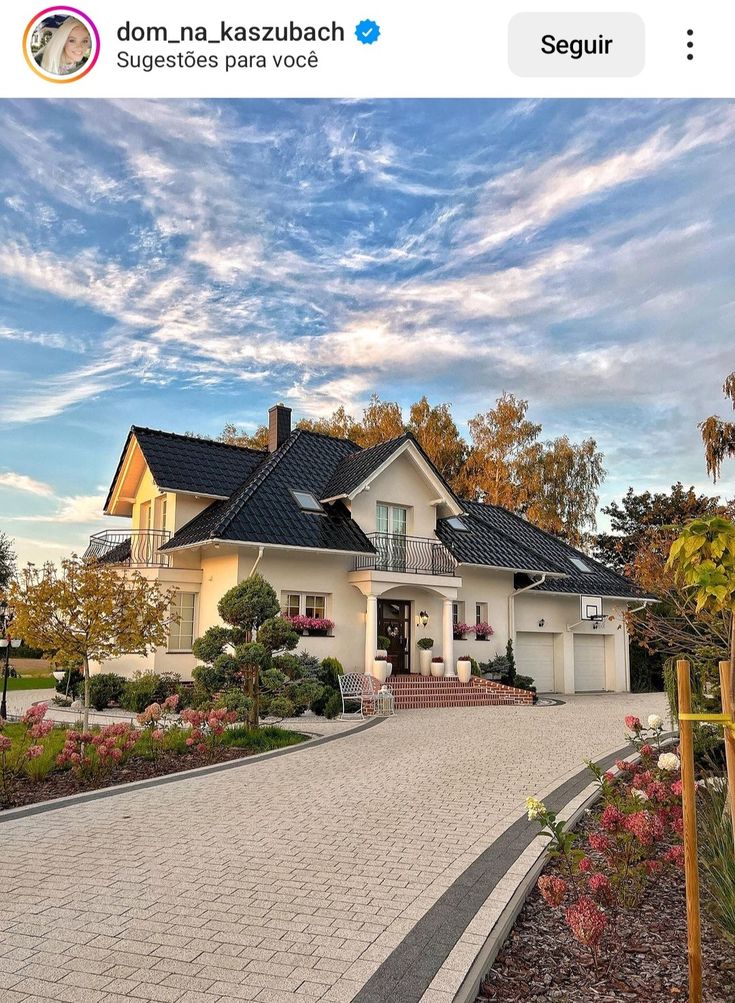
x=331 y=670
x=209 y=678
x=106 y=688
x=333 y=706
x=237 y=701
x=318 y=704
x=383 y=642
x=510 y=658
x=476 y=671
x=281 y=707
x=277 y=634
x=425 y=643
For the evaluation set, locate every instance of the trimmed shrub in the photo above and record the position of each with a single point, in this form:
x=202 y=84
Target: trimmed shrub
x=280 y=707
x=209 y=679
x=74 y=680
x=106 y=688
x=331 y=670
x=146 y=688
x=425 y=643
x=333 y=706
x=237 y=701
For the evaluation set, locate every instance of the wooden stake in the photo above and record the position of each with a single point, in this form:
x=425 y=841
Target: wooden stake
x=727 y=708
x=689 y=794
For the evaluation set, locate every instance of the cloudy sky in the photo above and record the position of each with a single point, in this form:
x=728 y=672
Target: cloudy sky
x=180 y=265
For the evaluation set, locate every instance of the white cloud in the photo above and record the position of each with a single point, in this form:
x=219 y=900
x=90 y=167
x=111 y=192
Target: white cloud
x=21 y=482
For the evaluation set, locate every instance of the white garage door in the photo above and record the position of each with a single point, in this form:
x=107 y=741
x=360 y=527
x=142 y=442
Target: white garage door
x=535 y=657
x=589 y=662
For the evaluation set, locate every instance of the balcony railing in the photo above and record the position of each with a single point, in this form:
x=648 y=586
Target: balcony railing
x=408 y=554
x=136 y=548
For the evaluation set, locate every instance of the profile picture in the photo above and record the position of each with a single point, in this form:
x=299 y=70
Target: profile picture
x=61 y=44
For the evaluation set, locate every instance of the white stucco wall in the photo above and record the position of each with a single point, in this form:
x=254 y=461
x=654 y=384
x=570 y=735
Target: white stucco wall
x=402 y=483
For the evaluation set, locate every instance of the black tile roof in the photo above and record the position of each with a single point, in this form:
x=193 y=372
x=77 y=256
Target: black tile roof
x=482 y=544
x=357 y=466
x=599 y=581
x=186 y=463
x=263 y=509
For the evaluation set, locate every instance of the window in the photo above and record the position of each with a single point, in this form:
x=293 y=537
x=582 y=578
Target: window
x=145 y=516
x=316 y=606
x=181 y=631
x=480 y=612
x=292 y=604
x=580 y=565
x=457 y=612
x=160 y=512
x=456 y=523
x=391 y=519
x=307 y=502
x=304 y=604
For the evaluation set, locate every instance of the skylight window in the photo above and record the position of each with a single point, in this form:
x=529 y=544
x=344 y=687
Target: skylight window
x=456 y=523
x=307 y=502
x=580 y=565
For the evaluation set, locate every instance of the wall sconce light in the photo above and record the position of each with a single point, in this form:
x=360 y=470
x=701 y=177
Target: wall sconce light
x=541 y=622
x=423 y=618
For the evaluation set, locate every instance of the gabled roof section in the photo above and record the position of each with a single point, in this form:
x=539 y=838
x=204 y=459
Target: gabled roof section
x=359 y=468
x=185 y=463
x=481 y=544
x=600 y=580
x=264 y=509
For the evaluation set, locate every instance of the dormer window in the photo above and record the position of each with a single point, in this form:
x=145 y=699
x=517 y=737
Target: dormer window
x=456 y=523
x=580 y=565
x=307 y=502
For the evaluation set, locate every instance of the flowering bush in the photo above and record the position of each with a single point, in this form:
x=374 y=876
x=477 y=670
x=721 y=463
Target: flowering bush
x=157 y=720
x=20 y=756
x=460 y=629
x=483 y=629
x=309 y=622
x=93 y=753
x=207 y=727
x=637 y=833
x=645 y=735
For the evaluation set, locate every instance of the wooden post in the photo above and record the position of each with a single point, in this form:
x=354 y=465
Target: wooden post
x=690 y=832
x=727 y=708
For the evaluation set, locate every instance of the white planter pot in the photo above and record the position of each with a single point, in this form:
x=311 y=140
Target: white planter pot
x=380 y=670
x=425 y=661
x=464 y=669
x=437 y=669
x=58 y=675
x=390 y=669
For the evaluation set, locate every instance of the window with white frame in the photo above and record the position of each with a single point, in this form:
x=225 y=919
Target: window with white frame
x=480 y=612
x=391 y=519
x=181 y=629
x=457 y=612
x=304 y=604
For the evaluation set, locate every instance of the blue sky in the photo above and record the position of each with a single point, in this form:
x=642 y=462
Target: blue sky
x=183 y=264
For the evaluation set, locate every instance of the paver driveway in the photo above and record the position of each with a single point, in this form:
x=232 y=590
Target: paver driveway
x=286 y=881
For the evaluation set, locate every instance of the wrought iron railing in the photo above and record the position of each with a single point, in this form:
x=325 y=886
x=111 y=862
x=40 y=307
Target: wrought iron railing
x=135 y=548
x=410 y=554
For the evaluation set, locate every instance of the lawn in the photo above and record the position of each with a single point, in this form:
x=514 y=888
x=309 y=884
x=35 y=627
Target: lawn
x=31 y=683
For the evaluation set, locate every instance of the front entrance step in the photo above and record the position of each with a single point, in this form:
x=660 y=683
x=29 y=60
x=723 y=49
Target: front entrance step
x=415 y=692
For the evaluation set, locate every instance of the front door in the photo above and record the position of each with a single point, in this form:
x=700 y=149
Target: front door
x=394 y=622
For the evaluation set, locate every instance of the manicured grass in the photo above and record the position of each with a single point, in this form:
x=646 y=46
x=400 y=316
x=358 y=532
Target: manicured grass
x=262 y=739
x=31 y=683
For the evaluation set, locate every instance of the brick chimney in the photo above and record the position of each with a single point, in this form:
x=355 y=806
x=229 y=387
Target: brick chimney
x=279 y=426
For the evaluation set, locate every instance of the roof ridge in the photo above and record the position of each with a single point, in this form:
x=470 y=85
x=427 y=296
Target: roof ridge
x=326 y=435
x=197 y=438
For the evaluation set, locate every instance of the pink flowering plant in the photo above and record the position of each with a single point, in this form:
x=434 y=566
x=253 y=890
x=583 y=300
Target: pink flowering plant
x=158 y=720
x=646 y=735
x=460 y=629
x=22 y=755
x=483 y=629
x=301 y=623
x=604 y=872
x=207 y=727
x=97 y=753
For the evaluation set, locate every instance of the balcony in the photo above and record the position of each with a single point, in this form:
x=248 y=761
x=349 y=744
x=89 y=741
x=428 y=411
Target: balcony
x=136 y=548
x=406 y=554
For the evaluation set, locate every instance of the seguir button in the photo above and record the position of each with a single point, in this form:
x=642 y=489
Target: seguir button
x=576 y=45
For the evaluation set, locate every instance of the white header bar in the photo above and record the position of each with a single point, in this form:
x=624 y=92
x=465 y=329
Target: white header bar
x=374 y=48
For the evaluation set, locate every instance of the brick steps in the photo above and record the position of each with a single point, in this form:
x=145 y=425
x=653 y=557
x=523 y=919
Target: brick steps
x=413 y=692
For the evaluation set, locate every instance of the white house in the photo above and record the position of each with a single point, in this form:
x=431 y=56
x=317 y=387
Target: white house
x=371 y=539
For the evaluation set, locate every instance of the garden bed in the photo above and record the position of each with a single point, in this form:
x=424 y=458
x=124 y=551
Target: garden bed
x=540 y=962
x=58 y=783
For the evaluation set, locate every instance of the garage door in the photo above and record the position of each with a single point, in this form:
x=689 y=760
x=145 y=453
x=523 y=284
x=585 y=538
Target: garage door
x=589 y=662
x=535 y=658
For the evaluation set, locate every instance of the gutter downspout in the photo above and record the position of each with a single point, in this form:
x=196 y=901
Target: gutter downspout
x=261 y=551
x=511 y=606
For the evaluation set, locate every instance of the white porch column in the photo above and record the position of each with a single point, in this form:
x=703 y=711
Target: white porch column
x=371 y=632
x=448 y=637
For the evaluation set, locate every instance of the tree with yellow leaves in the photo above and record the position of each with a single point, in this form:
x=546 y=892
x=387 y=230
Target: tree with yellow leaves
x=88 y=612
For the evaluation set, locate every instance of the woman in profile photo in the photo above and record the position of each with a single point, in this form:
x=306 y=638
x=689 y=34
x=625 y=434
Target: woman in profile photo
x=67 y=50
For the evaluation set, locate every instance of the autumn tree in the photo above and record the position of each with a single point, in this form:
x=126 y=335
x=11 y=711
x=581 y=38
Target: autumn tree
x=86 y=612
x=7 y=560
x=381 y=421
x=718 y=436
x=339 y=424
x=234 y=436
x=438 y=436
x=634 y=520
x=500 y=443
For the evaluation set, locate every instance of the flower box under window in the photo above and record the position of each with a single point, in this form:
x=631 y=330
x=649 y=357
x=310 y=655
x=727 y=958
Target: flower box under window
x=311 y=626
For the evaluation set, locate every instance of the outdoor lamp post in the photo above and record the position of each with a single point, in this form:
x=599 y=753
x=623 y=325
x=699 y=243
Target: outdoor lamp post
x=423 y=617
x=6 y=618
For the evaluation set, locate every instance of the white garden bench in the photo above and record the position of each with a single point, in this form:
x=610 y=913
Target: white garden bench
x=361 y=688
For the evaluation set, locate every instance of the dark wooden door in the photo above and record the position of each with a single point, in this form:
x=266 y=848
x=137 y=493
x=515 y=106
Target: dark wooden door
x=394 y=622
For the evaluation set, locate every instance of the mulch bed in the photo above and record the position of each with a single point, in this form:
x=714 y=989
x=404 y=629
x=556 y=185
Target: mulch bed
x=62 y=784
x=541 y=962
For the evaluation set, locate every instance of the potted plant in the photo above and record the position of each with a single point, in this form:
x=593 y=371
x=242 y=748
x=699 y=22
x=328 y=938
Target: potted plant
x=380 y=668
x=314 y=625
x=460 y=629
x=483 y=631
x=425 y=645
x=464 y=668
x=437 y=666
